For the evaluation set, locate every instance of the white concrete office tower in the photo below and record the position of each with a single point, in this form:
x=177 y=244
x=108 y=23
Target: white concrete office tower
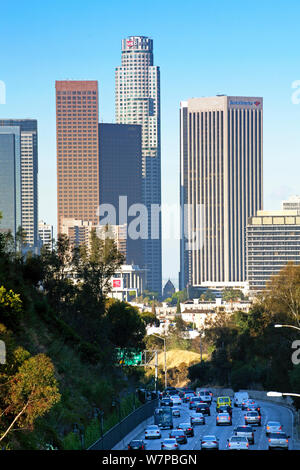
x=138 y=102
x=292 y=203
x=273 y=240
x=46 y=234
x=221 y=180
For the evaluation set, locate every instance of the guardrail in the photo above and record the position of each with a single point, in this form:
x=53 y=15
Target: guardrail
x=119 y=431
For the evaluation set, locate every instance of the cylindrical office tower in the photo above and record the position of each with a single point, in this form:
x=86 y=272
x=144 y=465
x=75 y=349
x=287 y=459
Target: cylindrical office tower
x=138 y=102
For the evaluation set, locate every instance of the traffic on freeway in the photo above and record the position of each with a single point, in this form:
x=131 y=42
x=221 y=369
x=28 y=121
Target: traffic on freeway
x=186 y=420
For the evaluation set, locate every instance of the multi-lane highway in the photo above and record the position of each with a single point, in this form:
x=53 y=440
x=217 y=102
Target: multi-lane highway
x=269 y=411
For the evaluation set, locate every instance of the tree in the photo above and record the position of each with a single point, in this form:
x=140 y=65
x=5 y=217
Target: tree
x=126 y=329
x=231 y=295
x=28 y=394
x=282 y=294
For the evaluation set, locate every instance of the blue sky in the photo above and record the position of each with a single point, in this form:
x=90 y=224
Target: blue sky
x=203 y=48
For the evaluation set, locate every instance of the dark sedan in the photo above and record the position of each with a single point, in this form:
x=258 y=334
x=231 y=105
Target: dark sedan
x=179 y=435
x=187 y=428
x=203 y=408
x=137 y=445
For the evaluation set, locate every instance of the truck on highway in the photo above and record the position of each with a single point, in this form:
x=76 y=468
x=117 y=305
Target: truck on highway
x=163 y=417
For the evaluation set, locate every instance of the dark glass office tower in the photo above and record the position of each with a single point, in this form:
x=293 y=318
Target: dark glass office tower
x=120 y=174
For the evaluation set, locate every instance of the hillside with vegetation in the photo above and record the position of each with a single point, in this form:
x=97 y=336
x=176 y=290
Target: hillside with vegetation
x=61 y=334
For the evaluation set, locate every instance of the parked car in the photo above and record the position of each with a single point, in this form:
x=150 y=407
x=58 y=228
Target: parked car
x=197 y=418
x=152 y=432
x=179 y=435
x=210 y=442
x=252 y=417
x=169 y=444
x=223 y=419
x=245 y=431
x=238 y=443
x=278 y=440
x=137 y=445
x=273 y=426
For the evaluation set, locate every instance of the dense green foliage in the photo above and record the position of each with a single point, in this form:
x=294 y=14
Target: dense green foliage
x=61 y=333
x=247 y=350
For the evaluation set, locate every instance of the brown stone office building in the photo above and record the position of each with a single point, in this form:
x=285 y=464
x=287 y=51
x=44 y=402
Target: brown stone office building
x=77 y=150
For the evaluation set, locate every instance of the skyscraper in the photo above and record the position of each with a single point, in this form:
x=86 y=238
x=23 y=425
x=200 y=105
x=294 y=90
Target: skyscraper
x=46 y=234
x=120 y=173
x=221 y=185
x=273 y=240
x=293 y=202
x=77 y=150
x=138 y=102
x=24 y=154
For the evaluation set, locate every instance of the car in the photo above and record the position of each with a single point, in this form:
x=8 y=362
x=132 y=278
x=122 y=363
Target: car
x=152 y=432
x=169 y=444
x=223 y=401
x=179 y=435
x=273 y=426
x=166 y=402
x=223 y=419
x=176 y=400
x=210 y=442
x=246 y=403
x=245 y=431
x=238 y=443
x=136 y=444
x=203 y=408
x=188 y=396
x=194 y=401
x=254 y=408
x=225 y=409
x=239 y=397
x=252 y=417
x=187 y=428
x=278 y=440
x=197 y=418
x=205 y=395
x=176 y=412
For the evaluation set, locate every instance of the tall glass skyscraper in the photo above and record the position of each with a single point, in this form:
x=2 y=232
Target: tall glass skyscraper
x=138 y=102
x=221 y=156
x=23 y=157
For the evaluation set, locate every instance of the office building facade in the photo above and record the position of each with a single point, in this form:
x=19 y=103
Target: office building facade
x=273 y=240
x=77 y=151
x=120 y=173
x=138 y=102
x=221 y=185
x=46 y=234
x=24 y=154
x=293 y=202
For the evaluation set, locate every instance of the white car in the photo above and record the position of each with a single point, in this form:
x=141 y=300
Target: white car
x=152 y=432
x=239 y=397
x=197 y=418
x=169 y=444
x=273 y=426
x=176 y=412
x=175 y=399
x=238 y=443
x=205 y=396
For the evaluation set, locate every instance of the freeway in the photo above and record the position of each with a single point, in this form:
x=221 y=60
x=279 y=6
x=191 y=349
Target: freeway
x=269 y=411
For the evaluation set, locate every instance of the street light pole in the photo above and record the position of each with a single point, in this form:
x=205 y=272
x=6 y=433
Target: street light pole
x=165 y=355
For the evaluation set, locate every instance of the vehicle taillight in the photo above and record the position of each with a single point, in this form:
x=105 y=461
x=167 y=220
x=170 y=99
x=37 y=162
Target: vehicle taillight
x=287 y=440
x=228 y=418
x=142 y=447
x=247 y=444
x=229 y=444
x=217 y=418
x=128 y=447
x=280 y=427
x=176 y=445
x=269 y=440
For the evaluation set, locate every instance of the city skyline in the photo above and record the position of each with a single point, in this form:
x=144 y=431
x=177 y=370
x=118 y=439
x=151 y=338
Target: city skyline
x=250 y=67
